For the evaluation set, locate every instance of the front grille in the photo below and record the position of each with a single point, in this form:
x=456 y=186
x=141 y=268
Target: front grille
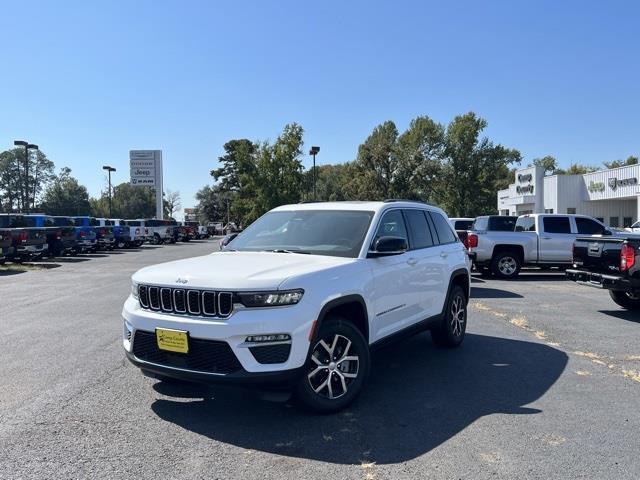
x=192 y=302
x=271 y=353
x=208 y=356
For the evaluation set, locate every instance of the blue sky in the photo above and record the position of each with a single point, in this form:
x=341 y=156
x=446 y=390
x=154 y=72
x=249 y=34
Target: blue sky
x=88 y=81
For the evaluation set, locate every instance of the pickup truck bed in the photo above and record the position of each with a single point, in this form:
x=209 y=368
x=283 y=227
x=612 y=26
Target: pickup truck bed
x=612 y=263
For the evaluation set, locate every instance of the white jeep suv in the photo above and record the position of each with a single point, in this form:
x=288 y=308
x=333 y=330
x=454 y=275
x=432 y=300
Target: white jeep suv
x=300 y=298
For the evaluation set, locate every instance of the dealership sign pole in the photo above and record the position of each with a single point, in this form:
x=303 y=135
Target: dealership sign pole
x=146 y=171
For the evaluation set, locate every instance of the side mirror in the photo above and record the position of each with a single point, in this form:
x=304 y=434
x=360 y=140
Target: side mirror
x=607 y=232
x=387 y=246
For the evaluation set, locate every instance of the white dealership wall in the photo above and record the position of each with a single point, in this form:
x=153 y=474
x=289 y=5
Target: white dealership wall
x=607 y=194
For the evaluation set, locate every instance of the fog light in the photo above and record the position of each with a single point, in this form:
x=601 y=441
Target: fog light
x=275 y=337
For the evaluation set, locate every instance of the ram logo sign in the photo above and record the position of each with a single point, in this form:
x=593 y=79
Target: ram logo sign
x=625 y=182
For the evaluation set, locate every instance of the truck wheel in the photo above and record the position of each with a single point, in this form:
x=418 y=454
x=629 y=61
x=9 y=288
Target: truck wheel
x=336 y=368
x=450 y=332
x=626 y=300
x=506 y=265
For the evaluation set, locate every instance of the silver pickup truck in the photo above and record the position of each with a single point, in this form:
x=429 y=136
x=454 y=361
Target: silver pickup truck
x=543 y=240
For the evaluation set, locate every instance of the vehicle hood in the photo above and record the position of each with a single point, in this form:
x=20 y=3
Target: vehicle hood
x=236 y=270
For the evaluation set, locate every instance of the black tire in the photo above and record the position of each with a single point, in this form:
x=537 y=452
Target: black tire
x=451 y=331
x=315 y=391
x=506 y=264
x=626 y=299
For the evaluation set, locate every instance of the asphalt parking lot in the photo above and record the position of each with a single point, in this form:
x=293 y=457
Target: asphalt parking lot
x=545 y=386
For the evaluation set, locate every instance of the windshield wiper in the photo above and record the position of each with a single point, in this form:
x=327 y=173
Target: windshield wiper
x=284 y=250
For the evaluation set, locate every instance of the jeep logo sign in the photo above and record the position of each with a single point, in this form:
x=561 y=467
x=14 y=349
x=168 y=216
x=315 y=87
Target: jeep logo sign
x=525 y=189
x=525 y=177
x=625 y=182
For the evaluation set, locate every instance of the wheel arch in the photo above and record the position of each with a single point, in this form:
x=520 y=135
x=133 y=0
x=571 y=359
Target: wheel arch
x=352 y=307
x=458 y=277
x=517 y=249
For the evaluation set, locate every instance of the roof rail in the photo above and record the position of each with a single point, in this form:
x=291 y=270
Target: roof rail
x=391 y=200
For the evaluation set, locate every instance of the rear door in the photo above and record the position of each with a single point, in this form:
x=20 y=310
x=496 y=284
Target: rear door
x=448 y=252
x=425 y=275
x=556 y=239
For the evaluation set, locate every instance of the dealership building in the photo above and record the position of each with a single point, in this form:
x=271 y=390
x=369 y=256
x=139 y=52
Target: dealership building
x=612 y=196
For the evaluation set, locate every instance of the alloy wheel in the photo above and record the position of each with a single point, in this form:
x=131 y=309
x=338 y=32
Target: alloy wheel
x=334 y=367
x=507 y=266
x=458 y=315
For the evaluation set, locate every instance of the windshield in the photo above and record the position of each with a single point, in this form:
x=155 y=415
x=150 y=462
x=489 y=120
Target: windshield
x=636 y=225
x=319 y=232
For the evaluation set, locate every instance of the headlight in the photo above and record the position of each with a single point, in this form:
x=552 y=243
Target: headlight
x=134 y=290
x=271 y=299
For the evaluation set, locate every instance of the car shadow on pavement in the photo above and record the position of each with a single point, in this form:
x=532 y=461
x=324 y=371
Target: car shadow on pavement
x=5 y=272
x=538 y=277
x=417 y=397
x=487 y=292
x=623 y=314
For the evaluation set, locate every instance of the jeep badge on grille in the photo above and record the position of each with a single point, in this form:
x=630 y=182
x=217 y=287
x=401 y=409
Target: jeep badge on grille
x=182 y=280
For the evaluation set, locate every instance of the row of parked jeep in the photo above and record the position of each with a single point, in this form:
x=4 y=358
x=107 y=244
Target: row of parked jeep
x=26 y=237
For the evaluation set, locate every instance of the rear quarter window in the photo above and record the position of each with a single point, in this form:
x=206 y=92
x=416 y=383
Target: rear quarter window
x=502 y=224
x=443 y=228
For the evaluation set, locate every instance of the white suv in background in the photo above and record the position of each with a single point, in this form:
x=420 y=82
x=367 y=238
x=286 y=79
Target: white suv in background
x=301 y=297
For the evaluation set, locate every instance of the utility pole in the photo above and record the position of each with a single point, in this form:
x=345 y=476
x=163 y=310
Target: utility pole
x=313 y=152
x=109 y=169
x=25 y=198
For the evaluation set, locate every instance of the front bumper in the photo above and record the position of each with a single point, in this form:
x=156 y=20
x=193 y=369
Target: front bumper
x=602 y=280
x=233 y=331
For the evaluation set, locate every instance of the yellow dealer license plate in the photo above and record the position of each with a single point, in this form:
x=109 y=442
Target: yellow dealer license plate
x=172 y=340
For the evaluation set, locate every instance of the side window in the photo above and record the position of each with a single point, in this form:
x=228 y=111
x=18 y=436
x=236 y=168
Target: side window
x=587 y=226
x=443 y=229
x=392 y=225
x=49 y=222
x=419 y=229
x=556 y=224
x=526 y=224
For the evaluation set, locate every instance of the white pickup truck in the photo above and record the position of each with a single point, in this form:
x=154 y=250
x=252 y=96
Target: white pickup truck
x=543 y=240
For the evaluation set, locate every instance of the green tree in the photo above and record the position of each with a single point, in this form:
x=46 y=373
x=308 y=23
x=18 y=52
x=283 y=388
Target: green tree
x=577 y=169
x=65 y=196
x=631 y=160
x=420 y=150
x=211 y=205
x=548 y=162
x=474 y=167
x=127 y=202
x=377 y=163
x=19 y=192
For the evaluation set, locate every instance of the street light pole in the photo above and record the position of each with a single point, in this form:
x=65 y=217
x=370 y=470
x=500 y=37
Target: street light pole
x=27 y=146
x=109 y=169
x=313 y=152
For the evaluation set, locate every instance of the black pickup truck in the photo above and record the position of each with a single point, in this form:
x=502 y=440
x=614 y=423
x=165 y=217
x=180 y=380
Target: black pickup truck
x=612 y=263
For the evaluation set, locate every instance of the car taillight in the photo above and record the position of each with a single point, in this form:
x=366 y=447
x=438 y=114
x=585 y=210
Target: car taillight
x=23 y=237
x=627 y=257
x=472 y=240
x=59 y=234
x=83 y=234
x=573 y=252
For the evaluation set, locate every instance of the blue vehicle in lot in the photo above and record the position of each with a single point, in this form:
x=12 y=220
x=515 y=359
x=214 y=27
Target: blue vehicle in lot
x=85 y=237
x=104 y=234
x=121 y=232
x=61 y=239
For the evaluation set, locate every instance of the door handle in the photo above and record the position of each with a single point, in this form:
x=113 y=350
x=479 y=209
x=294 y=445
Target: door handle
x=412 y=261
x=547 y=238
x=444 y=254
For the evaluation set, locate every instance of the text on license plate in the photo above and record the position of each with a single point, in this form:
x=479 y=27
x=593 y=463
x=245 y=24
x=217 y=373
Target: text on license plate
x=172 y=340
